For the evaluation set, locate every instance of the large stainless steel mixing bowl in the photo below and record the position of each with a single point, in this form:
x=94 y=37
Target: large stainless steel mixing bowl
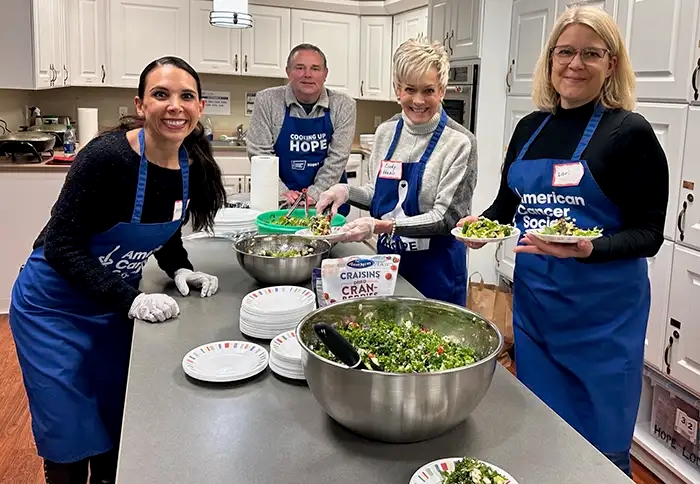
x=280 y=270
x=395 y=407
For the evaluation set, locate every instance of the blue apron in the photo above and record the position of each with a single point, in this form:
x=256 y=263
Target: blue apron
x=436 y=266
x=579 y=327
x=302 y=147
x=74 y=352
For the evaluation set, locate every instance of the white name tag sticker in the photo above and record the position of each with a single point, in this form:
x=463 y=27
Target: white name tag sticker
x=177 y=211
x=567 y=174
x=390 y=170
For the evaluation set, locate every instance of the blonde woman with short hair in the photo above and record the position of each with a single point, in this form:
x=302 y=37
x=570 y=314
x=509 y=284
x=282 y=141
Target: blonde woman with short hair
x=580 y=310
x=424 y=172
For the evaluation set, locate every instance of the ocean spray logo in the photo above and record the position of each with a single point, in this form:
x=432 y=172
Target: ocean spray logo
x=308 y=143
x=538 y=210
x=128 y=264
x=360 y=263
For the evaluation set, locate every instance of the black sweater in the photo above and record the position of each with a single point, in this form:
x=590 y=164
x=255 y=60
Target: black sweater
x=625 y=159
x=99 y=192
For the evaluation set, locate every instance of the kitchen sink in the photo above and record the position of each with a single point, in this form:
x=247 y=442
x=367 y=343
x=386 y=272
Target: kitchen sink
x=228 y=143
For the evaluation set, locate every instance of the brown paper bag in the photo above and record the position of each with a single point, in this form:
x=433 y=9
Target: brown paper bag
x=494 y=303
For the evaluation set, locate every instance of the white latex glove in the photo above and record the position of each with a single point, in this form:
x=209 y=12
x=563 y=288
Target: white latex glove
x=184 y=278
x=357 y=230
x=153 y=307
x=335 y=196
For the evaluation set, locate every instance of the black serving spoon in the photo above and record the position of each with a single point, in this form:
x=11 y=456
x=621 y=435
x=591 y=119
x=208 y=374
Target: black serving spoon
x=339 y=346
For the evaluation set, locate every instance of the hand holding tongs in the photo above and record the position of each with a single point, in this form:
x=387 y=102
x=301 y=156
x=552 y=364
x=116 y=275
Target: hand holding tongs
x=297 y=202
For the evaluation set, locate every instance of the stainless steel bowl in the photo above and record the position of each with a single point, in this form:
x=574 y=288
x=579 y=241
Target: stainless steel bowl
x=401 y=407
x=280 y=270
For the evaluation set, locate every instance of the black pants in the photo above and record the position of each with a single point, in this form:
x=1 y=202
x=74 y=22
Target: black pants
x=102 y=467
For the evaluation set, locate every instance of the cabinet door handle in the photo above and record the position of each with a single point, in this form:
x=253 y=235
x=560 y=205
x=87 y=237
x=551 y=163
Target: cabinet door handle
x=667 y=354
x=246 y=62
x=104 y=74
x=694 y=80
x=681 y=221
x=235 y=63
x=510 y=71
x=444 y=41
x=449 y=42
x=65 y=79
x=362 y=84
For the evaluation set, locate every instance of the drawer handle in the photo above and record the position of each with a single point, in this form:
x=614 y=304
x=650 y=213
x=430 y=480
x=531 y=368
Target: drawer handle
x=694 y=80
x=667 y=353
x=681 y=221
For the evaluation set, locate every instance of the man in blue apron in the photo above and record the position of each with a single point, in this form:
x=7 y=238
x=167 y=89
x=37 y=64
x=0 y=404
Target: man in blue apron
x=436 y=265
x=74 y=353
x=308 y=127
x=579 y=328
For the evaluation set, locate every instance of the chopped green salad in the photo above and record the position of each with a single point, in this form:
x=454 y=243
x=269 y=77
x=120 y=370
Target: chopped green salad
x=564 y=226
x=401 y=348
x=290 y=221
x=472 y=471
x=318 y=224
x=486 y=229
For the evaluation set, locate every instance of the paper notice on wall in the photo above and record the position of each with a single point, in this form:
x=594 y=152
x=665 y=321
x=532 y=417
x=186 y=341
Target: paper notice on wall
x=217 y=103
x=249 y=102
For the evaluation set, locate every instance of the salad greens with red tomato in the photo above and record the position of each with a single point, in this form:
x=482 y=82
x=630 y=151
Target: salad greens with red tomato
x=401 y=347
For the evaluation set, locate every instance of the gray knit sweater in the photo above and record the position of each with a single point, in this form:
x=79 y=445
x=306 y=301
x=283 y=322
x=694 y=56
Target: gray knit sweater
x=266 y=124
x=448 y=181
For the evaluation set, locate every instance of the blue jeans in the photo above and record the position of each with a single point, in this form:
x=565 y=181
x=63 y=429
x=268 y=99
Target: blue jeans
x=621 y=460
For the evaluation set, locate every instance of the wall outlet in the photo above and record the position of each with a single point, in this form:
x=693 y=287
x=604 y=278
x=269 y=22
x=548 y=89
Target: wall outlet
x=377 y=121
x=123 y=111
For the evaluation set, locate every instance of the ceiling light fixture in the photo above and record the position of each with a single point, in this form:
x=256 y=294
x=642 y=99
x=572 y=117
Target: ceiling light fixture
x=231 y=14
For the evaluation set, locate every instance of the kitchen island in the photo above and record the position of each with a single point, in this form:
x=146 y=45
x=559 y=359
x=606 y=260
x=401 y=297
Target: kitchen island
x=271 y=431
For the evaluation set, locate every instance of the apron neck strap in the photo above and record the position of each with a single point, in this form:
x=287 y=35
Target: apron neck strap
x=431 y=144
x=184 y=162
x=588 y=132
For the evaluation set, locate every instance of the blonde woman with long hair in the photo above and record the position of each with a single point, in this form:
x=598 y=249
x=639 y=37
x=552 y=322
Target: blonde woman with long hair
x=580 y=310
x=424 y=172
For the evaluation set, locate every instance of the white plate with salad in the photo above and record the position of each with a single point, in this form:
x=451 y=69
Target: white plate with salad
x=461 y=470
x=564 y=231
x=485 y=231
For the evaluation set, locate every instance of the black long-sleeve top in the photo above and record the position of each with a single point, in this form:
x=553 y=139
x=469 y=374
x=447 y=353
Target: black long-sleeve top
x=99 y=192
x=625 y=159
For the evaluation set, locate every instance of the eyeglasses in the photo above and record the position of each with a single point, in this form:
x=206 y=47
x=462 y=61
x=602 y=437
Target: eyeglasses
x=564 y=54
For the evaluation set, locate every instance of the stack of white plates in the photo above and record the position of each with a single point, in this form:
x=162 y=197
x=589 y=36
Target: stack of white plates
x=232 y=221
x=267 y=312
x=285 y=356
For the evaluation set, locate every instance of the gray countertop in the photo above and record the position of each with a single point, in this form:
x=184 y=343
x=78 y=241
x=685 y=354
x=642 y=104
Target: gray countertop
x=269 y=431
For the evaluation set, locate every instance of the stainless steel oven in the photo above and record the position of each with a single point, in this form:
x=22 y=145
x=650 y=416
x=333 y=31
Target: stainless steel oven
x=460 y=98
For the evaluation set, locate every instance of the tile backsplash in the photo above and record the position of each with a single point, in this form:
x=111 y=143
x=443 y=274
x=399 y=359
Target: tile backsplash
x=66 y=101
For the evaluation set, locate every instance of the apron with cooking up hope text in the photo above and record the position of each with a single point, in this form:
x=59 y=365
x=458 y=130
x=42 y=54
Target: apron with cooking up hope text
x=302 y=148
x=74 y=352
x=436 y=266
x=579 y=327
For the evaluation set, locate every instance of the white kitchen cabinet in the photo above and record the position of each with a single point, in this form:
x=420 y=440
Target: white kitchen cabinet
x=259 y=51
x=609 y=6
x=457 y=24
x=687 y=210
x=88 y=39
x=142 y=31
x=683 y=330
x=323 y=29
x=531 y=24
x=50 y=46
x=410 y=25
x=664 y=63
x=669 y=123
x=375 y=58
x=660 y=280
x=516 y=109
x=235 y=171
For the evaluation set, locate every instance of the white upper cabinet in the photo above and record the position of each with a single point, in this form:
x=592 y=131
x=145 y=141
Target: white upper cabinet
x=258 y=51
x=664 y=63
x=375 y=58
x=88 y=38
x=410 y=25
x=323 y=30
x=609 y=6
x=50 y=46
x=457 y=24
x=531 y=23
x=142 y=31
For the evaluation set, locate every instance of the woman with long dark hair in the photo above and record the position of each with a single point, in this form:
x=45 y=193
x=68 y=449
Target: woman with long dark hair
x=125 y=197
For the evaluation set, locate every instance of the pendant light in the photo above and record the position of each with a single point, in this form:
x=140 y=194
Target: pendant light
x=231 y=14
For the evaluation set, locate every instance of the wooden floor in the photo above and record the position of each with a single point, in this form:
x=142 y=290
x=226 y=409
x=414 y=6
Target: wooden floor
x=19 y=463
